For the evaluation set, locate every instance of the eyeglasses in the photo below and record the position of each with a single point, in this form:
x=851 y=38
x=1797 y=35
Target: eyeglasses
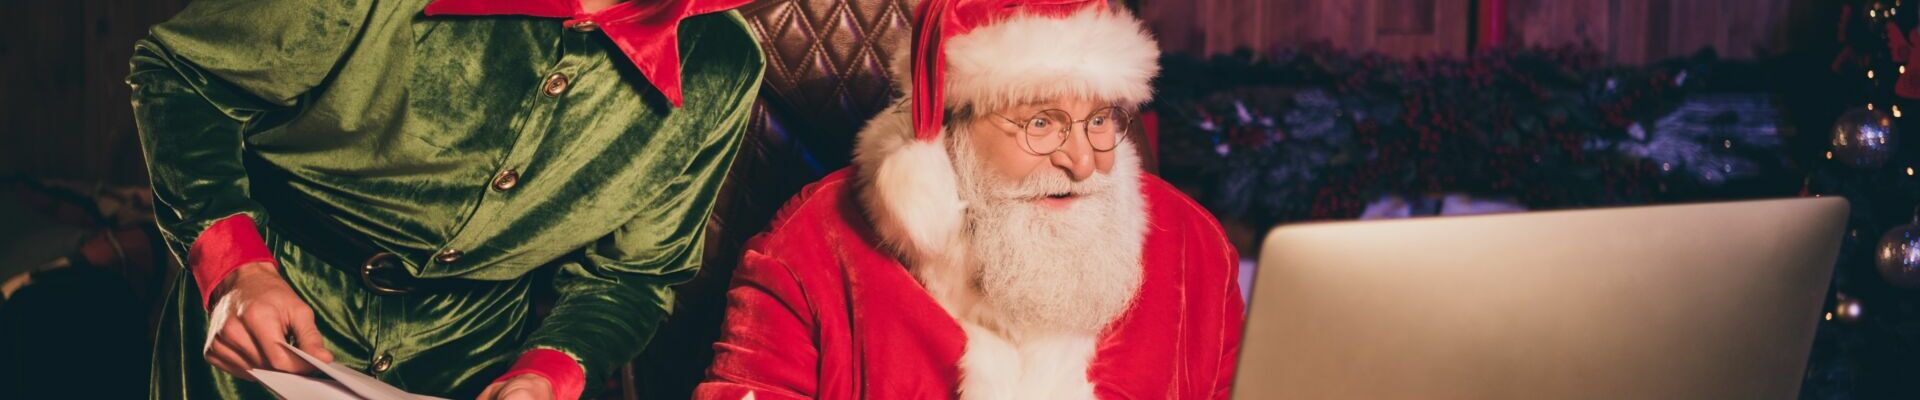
x=1047 y=130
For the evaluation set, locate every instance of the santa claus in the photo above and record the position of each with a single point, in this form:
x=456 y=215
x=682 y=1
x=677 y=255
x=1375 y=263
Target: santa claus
x=995 y=238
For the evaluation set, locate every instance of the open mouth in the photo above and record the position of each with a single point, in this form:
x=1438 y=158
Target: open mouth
x=1057 y=200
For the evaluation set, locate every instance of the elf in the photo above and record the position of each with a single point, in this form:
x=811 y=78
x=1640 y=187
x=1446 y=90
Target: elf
x=387 y=184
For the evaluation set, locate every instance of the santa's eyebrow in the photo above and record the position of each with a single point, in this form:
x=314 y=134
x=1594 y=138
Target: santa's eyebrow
x=1029 y=106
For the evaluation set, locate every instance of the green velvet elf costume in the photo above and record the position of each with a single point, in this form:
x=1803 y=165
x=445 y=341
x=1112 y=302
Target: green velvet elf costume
x=418 y=169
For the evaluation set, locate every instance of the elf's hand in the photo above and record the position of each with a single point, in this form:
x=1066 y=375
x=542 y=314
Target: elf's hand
x=255 y=312
x=519 y=387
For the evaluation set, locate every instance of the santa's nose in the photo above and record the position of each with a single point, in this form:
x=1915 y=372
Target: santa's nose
x=1076 y=156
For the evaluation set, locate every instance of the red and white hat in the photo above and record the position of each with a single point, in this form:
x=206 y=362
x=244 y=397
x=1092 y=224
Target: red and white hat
x=986 y=55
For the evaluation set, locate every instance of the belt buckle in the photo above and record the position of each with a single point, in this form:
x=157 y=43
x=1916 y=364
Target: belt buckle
x=375 y=264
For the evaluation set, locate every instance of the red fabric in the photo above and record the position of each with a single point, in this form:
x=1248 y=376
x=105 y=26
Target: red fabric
x=1902 y=48
x=648 y=31
x=1150 y=121
x=560 y=370
x=1493 y=23
x=223 y=247
x=941 y=20
x=817 y=310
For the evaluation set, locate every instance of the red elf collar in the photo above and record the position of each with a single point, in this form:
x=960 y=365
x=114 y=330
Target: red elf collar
x=646 y=30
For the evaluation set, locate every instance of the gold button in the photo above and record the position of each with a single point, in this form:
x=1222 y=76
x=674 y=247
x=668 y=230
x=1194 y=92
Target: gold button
x=381 y=364
x=448 y=256
x=585 y=26
x=556 y=84
x=506 y=180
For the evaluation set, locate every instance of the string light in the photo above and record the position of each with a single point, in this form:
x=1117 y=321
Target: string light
x=1896 y=111
x=1829 y=155
x=1829 y=316
x=1909 y=171
x=1869 y=106
x=1873 y=14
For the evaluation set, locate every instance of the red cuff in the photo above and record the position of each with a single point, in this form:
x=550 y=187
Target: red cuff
x=561 y=371
x=223 y=247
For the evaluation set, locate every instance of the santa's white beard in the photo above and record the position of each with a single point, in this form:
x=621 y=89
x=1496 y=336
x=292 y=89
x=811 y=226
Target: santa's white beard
x=1042 y=270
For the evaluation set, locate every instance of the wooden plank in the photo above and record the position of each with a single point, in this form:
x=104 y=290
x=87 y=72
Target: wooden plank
x=68 y=113
x=1687 y=30
x=1555 y=23
x=1659 y=18
x=1441 y=31
x=1628 y=23
x=1174 y=24
x=43 y=102
x=1404 y=17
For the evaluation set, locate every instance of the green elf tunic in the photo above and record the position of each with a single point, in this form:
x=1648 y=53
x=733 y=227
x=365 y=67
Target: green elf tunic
x=494 y=148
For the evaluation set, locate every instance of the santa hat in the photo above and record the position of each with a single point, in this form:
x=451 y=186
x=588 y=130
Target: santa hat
x=985 y=55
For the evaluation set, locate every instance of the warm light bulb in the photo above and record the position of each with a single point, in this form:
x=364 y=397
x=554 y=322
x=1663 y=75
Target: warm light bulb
x=1829 y=155
x=1869 y=106
x=1896 y=111
x=1829 y=316
x=1873 y=14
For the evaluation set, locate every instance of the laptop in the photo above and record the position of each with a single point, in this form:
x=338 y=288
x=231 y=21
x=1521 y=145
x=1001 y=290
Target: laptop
x=1703 y=301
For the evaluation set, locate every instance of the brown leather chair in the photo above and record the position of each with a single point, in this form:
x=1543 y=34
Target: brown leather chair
x=825 y=77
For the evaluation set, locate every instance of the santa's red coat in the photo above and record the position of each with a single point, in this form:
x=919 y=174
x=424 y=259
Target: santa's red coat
x=818 y=309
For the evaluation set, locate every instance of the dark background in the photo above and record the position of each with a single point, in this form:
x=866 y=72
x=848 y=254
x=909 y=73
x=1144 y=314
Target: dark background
x=65 y=114
x=69 y=151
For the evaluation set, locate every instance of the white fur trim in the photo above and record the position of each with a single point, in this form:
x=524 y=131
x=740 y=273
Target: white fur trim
x=1091 y=54
x=990 y=367
x=908 y=186
x=1051 y=367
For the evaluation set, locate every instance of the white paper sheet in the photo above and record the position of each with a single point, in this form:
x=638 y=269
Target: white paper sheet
x=347 y=384
x=296 y=387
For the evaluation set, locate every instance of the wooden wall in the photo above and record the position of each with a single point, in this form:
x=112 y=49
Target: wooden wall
x=1647 y=30
x=1630 y=31
x=64 y=111
x=1402 y=27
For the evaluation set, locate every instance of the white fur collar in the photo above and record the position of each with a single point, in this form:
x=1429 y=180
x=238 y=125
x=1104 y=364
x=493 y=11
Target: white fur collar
x=1041 y=368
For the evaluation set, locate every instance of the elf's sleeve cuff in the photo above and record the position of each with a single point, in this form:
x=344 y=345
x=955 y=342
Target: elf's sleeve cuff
x=222 y=248
x=560 y=369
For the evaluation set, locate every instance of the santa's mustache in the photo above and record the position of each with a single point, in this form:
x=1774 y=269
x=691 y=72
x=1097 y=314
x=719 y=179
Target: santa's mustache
x=1052 y=183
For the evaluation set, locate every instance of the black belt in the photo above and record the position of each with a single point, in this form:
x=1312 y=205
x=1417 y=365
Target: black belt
x=305 y=222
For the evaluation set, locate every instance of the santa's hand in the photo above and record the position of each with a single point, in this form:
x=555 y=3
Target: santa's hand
x=519 y=387
x=253 y=314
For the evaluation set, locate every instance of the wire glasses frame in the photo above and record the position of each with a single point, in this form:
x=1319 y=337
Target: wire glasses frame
x=1048 y=130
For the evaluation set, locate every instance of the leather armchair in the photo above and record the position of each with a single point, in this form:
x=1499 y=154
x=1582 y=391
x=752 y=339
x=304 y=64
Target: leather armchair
x=825 y=77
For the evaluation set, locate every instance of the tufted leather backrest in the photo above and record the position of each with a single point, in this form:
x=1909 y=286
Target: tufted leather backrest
x=825 y=77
